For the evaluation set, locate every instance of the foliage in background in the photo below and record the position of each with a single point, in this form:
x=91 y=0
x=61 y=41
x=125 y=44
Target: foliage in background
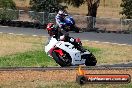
x=6 y=10
x=55 y=5
x=7 y=4
x=8 y=14
x=127 y=8
x=75 y=3
x=46 y=5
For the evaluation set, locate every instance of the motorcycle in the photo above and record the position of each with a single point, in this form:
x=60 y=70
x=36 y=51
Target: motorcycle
x=65 y=54
x=70 y=24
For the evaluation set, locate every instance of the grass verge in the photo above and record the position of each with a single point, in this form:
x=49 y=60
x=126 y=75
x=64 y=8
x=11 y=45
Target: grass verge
x=37 y=58
x=32 y=53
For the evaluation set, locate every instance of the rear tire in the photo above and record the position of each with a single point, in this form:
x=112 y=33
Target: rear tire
x=76 y=29
x=91 y=60
x=58 y=60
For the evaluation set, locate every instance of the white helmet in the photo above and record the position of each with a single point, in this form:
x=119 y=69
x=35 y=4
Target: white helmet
x=61 y=12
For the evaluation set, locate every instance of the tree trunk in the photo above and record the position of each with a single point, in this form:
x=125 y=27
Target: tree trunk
x=92 y=7
x=92 y=12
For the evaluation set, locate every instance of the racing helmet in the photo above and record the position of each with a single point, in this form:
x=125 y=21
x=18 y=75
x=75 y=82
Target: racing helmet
x=51 y=29
x=61 y=13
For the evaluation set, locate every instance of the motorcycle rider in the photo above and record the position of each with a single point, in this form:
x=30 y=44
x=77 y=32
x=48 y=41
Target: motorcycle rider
x=60 y=20
x=61 y=24
x=54 y=31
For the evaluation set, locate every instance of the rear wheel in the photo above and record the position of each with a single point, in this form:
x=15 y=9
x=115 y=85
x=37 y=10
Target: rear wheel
x=76 y=29
x=62 y=61
x=91 y=60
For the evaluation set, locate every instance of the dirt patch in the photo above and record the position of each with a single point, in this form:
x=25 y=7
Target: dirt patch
x=33 y=79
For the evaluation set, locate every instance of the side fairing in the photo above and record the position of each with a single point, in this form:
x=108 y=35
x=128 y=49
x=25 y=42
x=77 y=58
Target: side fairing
x=73 y=52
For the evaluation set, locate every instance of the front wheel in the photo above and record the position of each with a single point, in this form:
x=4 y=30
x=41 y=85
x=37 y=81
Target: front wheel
x=62 y=61
x=91 y=60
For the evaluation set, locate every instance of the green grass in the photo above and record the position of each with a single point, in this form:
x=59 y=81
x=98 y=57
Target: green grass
x=32 y=58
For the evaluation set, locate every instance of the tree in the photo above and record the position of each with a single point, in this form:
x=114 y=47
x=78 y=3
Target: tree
x=46 y=5
x=7 y=4
x=7 y=10
x=127 y=8
x=92 y=5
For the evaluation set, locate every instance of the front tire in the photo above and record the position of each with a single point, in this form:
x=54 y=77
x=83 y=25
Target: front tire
x=60 y=60
x=91 y=60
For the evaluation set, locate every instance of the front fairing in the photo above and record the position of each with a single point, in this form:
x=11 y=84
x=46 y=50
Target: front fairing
x=51 y=44
x=69 y=21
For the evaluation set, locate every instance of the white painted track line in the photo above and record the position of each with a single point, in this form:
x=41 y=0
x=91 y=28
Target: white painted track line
x=82 y=40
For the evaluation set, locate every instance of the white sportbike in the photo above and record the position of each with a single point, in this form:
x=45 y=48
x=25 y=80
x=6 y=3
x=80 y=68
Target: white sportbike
x=65 y=54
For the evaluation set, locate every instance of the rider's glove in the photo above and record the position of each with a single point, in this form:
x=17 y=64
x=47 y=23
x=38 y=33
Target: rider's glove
x=62 y=25
x=71 y=39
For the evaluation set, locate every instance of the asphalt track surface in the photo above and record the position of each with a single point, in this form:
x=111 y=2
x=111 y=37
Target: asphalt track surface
x=101 y=37
x=92 y=36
